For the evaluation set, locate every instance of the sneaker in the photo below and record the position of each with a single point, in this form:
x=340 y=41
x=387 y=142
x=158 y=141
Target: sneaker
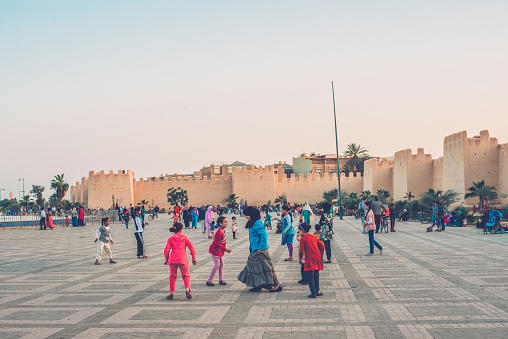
x=144 y=257
x=169 y=297
x=222 y=283
x=327 y=262
x=209 y=283
x=97 y=263
x=111 y=261
x=311 y=296
x=188 y=295
x=319 y=294
x=369 y=254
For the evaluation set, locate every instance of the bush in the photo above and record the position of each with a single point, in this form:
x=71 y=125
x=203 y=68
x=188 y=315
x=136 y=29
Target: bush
x=461 y=209
x=399 y=207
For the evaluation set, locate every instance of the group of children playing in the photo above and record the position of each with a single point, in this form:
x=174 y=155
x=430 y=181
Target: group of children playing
x=310 y=254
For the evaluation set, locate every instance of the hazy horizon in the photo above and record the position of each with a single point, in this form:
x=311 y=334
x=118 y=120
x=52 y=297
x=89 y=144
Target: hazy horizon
x=167 y=87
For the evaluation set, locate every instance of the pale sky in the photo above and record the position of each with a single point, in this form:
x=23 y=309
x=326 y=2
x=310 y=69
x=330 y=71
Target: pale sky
x=170 y=86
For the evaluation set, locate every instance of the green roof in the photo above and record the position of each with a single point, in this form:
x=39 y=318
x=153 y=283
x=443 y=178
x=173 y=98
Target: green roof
x=238 y=163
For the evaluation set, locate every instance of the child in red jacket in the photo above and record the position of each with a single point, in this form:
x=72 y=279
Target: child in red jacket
x=176 y=257
x=312 y=249
x=217 y=249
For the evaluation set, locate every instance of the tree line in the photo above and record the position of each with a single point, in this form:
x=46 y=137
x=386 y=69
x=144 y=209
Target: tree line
x=35 y=200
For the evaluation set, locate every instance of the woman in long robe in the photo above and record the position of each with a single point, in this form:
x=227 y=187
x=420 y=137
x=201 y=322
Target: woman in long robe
x=307 y=212
x=49 y=221
x=208 y=221
x=259 y=271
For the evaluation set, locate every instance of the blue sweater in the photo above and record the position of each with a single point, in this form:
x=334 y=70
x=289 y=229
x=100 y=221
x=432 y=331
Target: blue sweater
x=257 y=237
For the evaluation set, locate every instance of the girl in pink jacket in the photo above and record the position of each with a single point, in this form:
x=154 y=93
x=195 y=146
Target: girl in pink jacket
x=176 y=257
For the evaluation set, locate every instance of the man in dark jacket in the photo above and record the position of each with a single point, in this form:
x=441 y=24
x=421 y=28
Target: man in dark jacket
x=378 y=209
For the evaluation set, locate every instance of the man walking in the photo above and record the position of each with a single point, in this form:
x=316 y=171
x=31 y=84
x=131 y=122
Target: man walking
x=435 y=219
x=378 y=209
x=42 y=222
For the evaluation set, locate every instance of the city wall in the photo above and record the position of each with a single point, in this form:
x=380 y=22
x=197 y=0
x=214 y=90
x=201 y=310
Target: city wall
x=104 y=188
x=200 y=191
x=464 y=161
x=503 y=173
x=378 y=175
x=310 y=188
x=412 y=173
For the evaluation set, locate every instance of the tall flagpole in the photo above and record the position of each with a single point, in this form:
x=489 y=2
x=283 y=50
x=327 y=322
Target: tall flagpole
x=337 y=148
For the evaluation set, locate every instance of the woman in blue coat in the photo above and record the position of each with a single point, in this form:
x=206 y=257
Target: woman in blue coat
x=259 y=272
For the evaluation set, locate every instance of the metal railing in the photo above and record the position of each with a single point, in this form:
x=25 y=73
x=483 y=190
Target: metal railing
x=59 y=219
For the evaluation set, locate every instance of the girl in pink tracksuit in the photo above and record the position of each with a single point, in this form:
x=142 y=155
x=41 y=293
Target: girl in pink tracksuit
x=176 y=257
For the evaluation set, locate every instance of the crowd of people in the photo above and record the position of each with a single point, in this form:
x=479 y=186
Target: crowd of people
x=77 y=217
x=259 y=272
x=314 y=249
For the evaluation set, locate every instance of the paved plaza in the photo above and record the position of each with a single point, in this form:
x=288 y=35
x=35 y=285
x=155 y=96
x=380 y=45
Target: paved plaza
x=452 y=284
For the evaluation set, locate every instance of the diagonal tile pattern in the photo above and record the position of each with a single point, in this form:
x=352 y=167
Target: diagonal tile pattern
x=425 y=285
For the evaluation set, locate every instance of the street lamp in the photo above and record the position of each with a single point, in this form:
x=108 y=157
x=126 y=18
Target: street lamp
x=337 y=148
x=23 y=179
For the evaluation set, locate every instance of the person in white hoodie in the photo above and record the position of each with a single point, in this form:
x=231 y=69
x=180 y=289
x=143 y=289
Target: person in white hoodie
x=103 y=235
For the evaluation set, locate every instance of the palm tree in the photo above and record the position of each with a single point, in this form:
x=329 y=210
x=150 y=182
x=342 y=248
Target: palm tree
x=348 y=168
x=365 y=194
x=25 y=200
x=357 y=154
x=143 y=202
x=353 y=196
x=230 y=201
x=445 y=199
x=382 y=195
x=409 y=196
x=482 y=191
x=329 y=196
x=281 y=199
x=60 y=187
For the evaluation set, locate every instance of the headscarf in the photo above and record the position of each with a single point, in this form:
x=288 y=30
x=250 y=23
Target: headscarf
x=307 y=208
x=254 y=215
x=209 y=214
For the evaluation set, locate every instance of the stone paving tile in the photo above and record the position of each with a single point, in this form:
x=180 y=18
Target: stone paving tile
x=425 y=285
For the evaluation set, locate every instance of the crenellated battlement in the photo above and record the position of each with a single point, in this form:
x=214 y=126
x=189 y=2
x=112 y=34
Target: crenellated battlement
x=110 y=173
x=407 y=154
x=459 y=136
x=465 y=159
